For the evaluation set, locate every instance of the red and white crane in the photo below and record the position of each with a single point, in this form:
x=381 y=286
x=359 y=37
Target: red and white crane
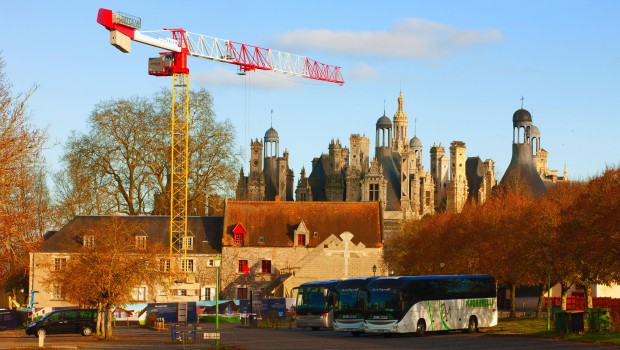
x=180 y=44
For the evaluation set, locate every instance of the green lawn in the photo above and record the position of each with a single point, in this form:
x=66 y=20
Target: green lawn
x=538 y=327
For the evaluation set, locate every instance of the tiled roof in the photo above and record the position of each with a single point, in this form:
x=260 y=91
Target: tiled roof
x=276 y=222
x=207 y=231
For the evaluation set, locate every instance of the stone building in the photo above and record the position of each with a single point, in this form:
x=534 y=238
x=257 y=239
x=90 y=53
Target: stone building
x=204 y=243
x=269 y=247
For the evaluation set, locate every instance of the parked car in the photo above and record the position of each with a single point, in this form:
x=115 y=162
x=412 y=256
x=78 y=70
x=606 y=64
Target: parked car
x=81 y=321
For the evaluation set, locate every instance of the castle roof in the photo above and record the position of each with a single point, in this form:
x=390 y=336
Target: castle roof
x=206 y=230
x=271 y=135
x=275 y=222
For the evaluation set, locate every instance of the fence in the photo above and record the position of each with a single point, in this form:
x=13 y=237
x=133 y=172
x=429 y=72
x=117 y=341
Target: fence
x=579 y=303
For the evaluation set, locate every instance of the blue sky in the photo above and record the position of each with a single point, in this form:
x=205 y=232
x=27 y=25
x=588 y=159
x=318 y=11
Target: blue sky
x=462 y=67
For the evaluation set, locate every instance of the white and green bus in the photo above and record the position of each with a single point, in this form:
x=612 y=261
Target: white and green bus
x=430 y=303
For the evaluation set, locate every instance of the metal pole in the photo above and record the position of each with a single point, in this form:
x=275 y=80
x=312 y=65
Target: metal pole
x=217 y=301
x=549 y=297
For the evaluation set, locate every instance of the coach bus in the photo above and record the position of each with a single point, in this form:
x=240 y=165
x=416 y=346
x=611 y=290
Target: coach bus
x=430 y=303
x=349 y=305
x=314 y=305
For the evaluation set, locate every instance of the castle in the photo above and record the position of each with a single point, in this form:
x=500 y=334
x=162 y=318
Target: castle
x=394 y=176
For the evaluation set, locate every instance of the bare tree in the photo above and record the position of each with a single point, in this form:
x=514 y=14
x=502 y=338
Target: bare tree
x=123 y=163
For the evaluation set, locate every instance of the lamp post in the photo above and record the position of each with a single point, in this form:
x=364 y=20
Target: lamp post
x=548 y=293
x=217 y=262
x=374 y=270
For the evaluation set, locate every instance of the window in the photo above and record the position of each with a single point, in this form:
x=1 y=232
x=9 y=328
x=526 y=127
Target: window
x=164 y=265
x=189 y=242
x=266 y=266
x=139 y=294
x=373 y=194
x=188 y=265
x=301 y=240
x=89 y=241
x=239 y=239
x=182 y=292
x=211 y=263
x=140 y=242
x=243 y=266
x=59 y=264
x=242 y=293
x=58 y=292
x=205 y=294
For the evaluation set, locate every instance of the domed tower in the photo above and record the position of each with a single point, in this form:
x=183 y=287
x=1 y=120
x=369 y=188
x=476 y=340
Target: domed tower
x=521 y=175
x=384 y=135
x=400 y=125
x=270 y=159
x=272 y=141
x=416 y=147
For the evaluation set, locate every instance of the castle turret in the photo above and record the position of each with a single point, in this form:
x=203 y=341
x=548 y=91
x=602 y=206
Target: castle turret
x=522 y=175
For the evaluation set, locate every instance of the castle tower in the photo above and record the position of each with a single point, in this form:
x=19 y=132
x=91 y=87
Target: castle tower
x=303 y=193
x=270 y=158
x=360 y=152
x=383 y=141
x=439 y=171
x=457 y=187
x=400 y=126
x=522 y=175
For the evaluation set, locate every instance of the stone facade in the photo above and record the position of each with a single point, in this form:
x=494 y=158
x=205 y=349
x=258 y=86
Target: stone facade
x=284 y=244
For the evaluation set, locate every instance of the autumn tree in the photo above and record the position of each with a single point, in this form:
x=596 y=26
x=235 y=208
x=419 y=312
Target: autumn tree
x=23 y=194
x=591 y=232
x=106 y=261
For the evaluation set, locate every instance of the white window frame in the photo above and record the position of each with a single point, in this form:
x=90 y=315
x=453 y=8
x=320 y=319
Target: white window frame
x=59 y=264
x=88 y=241
x=58 y=292
x=187 y=265
x=139 y=293
x=140 y=242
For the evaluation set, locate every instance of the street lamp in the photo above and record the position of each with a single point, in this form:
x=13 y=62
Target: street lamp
x=374 y=270
x=548 y=292
x=217 y=262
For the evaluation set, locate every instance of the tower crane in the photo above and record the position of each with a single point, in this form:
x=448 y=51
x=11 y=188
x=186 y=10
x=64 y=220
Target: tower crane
x=179 y=44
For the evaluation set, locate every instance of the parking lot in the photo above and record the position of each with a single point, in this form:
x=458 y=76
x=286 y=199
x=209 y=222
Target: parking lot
x=235 y=337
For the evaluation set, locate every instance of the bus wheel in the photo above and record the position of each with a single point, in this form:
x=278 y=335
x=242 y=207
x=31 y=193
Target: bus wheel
x=316 y=328
x=421 y=328
x=356 y=333
x=472 y=325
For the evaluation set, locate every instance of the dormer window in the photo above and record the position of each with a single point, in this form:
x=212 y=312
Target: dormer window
x=189 y=242
x=302 y=235
x=88 y=241
x=301 y=240
x=140 y=242
x=239 y=235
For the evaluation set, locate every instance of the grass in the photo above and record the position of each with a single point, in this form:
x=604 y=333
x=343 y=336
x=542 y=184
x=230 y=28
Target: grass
x=538 y=327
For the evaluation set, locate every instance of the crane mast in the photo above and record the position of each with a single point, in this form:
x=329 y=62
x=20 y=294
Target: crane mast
x=179 y=44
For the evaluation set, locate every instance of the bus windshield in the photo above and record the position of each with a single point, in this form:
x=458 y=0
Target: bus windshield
x=311 y=299
x=384 y=299
x=347 y=299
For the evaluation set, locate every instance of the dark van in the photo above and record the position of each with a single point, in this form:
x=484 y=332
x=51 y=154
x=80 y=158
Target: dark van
x=82 y=321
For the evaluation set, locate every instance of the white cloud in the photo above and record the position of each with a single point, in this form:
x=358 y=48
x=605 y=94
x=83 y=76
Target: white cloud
x=225 y=76
x=411 y=38
x=362 y=71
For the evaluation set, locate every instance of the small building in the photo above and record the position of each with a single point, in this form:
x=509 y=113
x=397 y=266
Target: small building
x=270 y=247
x=204 y=243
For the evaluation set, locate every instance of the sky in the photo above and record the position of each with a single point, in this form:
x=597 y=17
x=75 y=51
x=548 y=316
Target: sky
x=462 y=66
